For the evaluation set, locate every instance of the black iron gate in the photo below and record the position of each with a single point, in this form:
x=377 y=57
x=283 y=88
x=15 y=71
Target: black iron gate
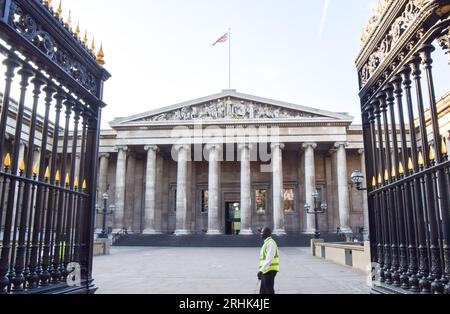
x=47 y=209
x=407 y=159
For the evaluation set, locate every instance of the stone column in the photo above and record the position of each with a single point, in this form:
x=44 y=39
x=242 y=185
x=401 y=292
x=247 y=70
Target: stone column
x=364 y=196
x=150 y=192
x=214 y=188
x=344 y=202
x=119 y=211
x=182 y=206
x=130 y=183
x=246 y=193
x=22 y=156
x=310 y=183
x=278 y=189
x=102 y=185
x=36 y=156
x=77 y=164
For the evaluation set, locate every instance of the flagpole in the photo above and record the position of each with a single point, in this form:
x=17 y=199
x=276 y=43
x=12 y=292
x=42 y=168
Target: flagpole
x=229 y=57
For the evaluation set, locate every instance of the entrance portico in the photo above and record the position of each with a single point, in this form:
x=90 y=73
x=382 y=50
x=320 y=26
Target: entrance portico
x=203 y=156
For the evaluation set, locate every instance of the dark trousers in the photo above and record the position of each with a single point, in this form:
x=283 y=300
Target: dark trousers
x=268 y=283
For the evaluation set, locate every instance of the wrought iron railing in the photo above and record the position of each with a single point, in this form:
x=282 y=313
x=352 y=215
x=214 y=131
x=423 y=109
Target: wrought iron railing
x=47 y=208
x=407 y=157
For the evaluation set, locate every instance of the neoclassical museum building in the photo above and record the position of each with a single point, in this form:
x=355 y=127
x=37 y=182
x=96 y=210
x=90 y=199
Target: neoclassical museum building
x=232 y=163
x=228 y=163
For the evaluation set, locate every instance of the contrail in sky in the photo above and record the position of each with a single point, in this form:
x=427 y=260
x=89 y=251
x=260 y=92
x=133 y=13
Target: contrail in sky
x=324 y=18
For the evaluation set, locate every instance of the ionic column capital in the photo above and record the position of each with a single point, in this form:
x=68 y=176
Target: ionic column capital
x=341 y=145
x=308 y=145
x=151 y=148
x=213 y=147
x=277 y=145
x=243 y=146
x=361 y=151
x=121 y=148
x=181 y=147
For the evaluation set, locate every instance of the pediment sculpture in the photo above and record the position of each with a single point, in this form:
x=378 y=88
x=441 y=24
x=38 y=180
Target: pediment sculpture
x=230 y=110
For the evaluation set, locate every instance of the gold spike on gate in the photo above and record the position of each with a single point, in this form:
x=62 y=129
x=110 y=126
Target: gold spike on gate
x=420 y=160
x=47 y=173
x=444 y=149
x=432 y=155
x=401 y=170
x=7 y=161
x=22 y=166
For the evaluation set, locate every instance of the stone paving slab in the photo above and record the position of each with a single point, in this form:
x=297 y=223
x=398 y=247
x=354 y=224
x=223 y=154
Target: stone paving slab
x=218 y=271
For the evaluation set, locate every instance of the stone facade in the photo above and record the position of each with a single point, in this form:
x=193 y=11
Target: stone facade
x=281 y=151
x=264 y=156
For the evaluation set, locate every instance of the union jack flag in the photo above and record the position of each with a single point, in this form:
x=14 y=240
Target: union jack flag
x=222 y=39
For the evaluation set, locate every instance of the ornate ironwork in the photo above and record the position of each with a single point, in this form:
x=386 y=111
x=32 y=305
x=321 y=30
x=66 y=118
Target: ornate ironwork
x=407 y=160
x=47 y=208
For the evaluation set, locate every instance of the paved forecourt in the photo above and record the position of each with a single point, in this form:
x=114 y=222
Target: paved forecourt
x=218 y=271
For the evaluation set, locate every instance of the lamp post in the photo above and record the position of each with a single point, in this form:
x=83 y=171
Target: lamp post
x=319 y=208
x=358 y=179
x=104 y=212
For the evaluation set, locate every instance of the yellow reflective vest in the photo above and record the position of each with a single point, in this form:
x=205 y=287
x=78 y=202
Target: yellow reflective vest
x=275 y=266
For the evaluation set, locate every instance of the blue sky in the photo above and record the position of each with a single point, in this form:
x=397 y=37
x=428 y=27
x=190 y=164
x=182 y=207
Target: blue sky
x=159 y=51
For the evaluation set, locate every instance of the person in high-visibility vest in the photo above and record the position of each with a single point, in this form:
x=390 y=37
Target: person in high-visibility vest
x=269 y=265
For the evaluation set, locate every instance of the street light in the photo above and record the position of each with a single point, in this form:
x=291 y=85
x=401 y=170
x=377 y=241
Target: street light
x=319 y=208
x=104 y=212
x=358 y=179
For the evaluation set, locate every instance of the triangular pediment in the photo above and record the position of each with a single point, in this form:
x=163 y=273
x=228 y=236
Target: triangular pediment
x=230 y=106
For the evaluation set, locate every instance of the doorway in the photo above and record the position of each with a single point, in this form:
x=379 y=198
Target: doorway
x=233 y=218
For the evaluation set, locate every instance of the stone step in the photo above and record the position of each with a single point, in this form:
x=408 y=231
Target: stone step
x=291 y=240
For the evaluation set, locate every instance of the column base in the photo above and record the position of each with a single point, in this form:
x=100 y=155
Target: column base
x=182 y=232
x=214 y=232
x=279 y=232
x=151 y=232
x=246 y=232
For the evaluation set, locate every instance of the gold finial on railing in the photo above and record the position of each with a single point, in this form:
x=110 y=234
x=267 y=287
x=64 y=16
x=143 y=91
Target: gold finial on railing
x=77 y=30
x=432 y=155
x=393 y=172
x=48 y=3
x=58 y=176
x=93 y=45
x=380 y=179
x=68 y=23
x=100 y=58
x=85 y=38
x=47 y=173
x=380 y=8
x=35 y=170
x=59 y=11
x=386 y=175
x=421 y=160
x=410 y=165
x=22 y=166
x=76 y=183
x=7 y=161
x=374 y=182
x=444 y=149
x=84 y=185
x=401 y=170
x=67 y=179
